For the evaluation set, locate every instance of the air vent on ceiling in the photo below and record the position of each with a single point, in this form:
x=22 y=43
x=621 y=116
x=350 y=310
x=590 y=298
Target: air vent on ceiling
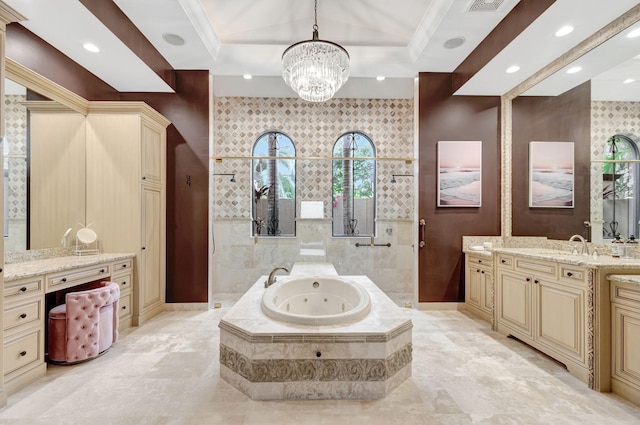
x=484 y=5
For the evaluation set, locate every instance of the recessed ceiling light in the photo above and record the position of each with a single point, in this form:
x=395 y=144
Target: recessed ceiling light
x=574 y=70
x=512 y=69
x=90 y=47
x=633 y=34
x=628 y=80
x=247 y=76
x=452 y=43
x=567 y=29
x=173 y=39
x=380 y=77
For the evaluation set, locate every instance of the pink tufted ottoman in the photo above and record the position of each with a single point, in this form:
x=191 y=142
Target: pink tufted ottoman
x=85 y=326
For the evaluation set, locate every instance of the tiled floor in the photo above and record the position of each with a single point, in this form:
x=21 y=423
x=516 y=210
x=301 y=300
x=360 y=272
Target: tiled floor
x=167 y=372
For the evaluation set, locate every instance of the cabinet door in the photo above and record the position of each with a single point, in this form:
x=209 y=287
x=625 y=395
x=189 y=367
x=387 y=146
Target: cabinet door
x=151 y=154
x=560 y=317
x=514 y=302
x=151 y=273
x=626 y=343
x=474 y=286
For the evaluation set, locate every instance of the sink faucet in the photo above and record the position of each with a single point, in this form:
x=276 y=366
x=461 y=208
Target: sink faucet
x=270 y=281
x=585 y=247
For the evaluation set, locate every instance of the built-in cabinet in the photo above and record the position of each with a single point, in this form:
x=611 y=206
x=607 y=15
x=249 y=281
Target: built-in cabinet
x=126 y=197
x=625 y=321
x=544 y=303
x=479 y=286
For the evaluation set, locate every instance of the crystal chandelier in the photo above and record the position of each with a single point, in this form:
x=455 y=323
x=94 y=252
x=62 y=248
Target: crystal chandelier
x=315 y=68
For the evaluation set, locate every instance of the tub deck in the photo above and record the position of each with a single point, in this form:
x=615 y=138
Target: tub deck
x=271 y=360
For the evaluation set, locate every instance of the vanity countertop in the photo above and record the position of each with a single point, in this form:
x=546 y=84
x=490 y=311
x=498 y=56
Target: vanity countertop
x=624 y=278
x=15 y=271
x=486 y=253
x=569 y=258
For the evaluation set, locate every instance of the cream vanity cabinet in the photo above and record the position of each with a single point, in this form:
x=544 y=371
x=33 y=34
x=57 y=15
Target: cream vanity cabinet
x=544 y=304
x=625 y=334
x=126 y=169
x=479 y=286
x=23 y=329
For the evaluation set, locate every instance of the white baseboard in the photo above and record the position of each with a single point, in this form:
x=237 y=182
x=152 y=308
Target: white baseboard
x=440 y=306
x=186 y=307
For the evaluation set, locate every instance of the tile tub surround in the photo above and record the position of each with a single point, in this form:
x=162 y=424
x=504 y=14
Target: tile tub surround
x=271 y=360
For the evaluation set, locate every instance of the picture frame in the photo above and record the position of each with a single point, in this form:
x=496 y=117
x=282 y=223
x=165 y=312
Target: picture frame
x=459 y=174
x=551 y=174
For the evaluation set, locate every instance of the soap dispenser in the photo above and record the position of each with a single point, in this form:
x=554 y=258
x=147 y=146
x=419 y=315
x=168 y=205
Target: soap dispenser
x=631 y=248
x=617 y=247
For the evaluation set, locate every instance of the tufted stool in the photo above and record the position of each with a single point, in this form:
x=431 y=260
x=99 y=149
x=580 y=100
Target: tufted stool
x=85 y=326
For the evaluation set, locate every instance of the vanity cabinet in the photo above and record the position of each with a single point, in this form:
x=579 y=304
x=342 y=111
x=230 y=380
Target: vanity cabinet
x=122 y=274
x=479 y=286
x=23 y=330
x=544 y=304
x=126 y=195
x=625 y=335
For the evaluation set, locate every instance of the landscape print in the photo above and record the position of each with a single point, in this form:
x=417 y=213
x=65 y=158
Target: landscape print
x=459 y=174
x=551 y=174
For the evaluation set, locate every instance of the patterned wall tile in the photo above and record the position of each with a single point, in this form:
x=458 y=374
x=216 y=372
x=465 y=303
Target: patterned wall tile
x=314 y=128
x=16 y=133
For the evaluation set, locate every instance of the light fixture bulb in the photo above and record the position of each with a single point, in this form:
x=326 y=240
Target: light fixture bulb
x=574 y=70
x=247 y=76
x=90 y=47
x=381 y=78
x=628 y=80
x=566 y=30
x=633 y=34
x=512 y=69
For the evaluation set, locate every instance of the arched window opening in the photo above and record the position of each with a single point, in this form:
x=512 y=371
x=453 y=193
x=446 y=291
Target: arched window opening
x=621 y=187
x=274 y=185
x=354 y=186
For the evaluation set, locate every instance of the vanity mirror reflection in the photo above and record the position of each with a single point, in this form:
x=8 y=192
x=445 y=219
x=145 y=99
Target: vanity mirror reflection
x=594 y=101
x=44 y=168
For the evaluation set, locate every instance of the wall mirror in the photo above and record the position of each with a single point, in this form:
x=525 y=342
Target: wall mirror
x=44 y=169
x=612 y=73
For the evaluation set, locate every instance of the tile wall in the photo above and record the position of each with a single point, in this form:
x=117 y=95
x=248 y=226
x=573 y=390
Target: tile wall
x=239 y=260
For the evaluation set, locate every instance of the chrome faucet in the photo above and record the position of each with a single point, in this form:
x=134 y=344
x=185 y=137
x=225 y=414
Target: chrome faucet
x=271 y=280
x=585 y=247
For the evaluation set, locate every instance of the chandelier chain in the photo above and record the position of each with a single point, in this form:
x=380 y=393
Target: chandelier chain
x=315 y=16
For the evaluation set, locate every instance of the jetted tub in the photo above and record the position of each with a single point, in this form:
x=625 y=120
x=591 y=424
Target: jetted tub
x=316 y=301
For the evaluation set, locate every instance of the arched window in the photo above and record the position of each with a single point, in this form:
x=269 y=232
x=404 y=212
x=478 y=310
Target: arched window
x=354 y=186
x=620 y=187
x=274 y=185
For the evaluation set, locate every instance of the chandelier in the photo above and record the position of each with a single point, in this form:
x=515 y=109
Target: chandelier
x=315 y=68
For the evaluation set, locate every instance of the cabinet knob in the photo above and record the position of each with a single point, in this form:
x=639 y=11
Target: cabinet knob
x=569 y=274
x=0 y=269
x=477 y=270
x=124 y=307
x=482 y=272
x=23 y=316
x=479 y=261
x=124 y=283
x=536 y=281
x=503 y=261
x=124 y=266
x=144 y=247
x=23 y=353
x=23 y=289
x=64 y=279
x=528 y=279
x=101 y=270
x=144 y=177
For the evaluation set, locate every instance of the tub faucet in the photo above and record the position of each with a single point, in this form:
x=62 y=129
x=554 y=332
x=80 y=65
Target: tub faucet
x=585 y=247
x=271 y=280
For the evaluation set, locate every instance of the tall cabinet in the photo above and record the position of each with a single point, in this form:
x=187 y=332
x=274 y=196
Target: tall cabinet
x=126 y=197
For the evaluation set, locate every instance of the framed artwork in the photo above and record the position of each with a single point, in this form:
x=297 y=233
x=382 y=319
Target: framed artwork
x=551 y=174
x=459 y=174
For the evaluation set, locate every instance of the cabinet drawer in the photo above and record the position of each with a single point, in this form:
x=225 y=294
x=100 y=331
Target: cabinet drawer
x=124 y=305
x=539 y=268
x=70 y=278
x=573 y=274
x=23 y=314
x=122 y=266
x=22 y=351
x=625 y=294
x=23 y=288
x=484 y=261
x=124 y=281
x=505 y=261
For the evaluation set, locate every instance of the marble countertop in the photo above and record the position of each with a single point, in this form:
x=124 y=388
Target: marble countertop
x=484 y=253
x=569 y=258
x=27 y=269
x=632 y=279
